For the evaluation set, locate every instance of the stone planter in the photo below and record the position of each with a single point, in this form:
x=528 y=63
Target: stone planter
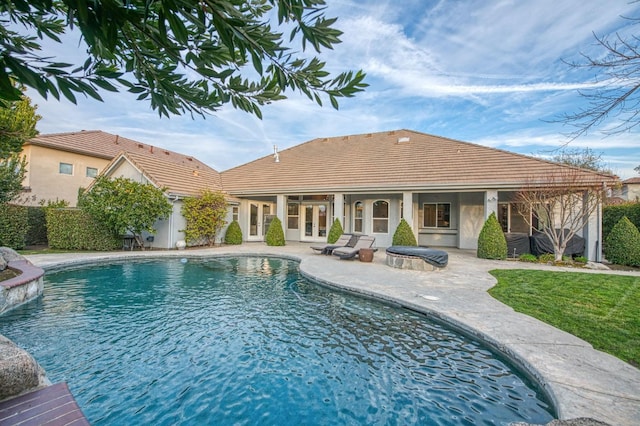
x=365 y=255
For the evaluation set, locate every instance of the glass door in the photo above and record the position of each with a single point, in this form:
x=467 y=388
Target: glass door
x=260 y=218
x=315 y=222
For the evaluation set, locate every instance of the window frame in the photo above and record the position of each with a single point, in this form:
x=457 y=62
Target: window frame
x=437 y=219
x=358 y=219
x=89 y=175
x=291 y=216
x=376 y=220
x=60 y=168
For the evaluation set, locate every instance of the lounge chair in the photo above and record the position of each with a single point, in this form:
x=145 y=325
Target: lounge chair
x=345 y=240
x=364 y=241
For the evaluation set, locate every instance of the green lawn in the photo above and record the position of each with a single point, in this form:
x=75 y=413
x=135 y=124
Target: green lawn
x=601 y=309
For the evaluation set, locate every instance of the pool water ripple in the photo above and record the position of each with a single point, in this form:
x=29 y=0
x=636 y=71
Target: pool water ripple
x=247 y=341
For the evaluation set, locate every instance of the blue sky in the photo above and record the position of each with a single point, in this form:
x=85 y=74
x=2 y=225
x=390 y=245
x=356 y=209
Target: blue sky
x=487 y=72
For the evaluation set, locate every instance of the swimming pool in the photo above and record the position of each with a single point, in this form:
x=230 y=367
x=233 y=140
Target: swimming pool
x=249 y=341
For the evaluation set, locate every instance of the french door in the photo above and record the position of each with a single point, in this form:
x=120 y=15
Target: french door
x=314 y=218
x=260 y=218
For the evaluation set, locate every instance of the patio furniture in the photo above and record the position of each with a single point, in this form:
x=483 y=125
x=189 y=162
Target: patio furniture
x=434 y=257
x=364 y=241
x=345 y=240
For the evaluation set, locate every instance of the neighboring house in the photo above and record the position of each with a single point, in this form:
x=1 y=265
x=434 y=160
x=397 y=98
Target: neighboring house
x=444 y=188
x=629 y=190
x=58 y=165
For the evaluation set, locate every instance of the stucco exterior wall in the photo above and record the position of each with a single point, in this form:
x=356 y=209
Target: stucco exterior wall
x=44 y=180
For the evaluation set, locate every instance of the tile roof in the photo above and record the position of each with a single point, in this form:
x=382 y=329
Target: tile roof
x=633 y=180
x=399 y=159
x=188 y=178
x=181 y=174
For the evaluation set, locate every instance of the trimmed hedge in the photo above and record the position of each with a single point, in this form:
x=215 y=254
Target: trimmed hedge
x=275 y=233
x=613 y=214
x=404 y=235
x=492 y=243
x=73 y=229
x=335 y=231
x=233 y=234
x=14 y=224
x=623 y=244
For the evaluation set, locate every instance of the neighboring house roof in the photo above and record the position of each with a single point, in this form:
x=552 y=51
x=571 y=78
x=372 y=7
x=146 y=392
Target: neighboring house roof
x=96 y=143
x=187 y=178
x=399 y=159
x=631 y=181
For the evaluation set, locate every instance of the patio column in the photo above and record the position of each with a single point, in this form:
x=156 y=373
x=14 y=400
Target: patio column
x=281 y=209
x=407 y=207
x=338 y=209
x=592 y=231
x=490 y=203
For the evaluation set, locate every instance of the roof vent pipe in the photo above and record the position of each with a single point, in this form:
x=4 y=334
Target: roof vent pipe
x=276 y=156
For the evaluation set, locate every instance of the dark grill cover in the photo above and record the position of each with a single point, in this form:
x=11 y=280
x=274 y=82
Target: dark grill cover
x=438 y=258
x=541 y=244
x=517 y=243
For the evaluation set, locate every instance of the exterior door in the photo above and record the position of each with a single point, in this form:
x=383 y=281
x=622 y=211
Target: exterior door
x=260 y=218
x=315 y=222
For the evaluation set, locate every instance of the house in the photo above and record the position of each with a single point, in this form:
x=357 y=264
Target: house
x=59 y=165
x=630 y=189
x=444 y=188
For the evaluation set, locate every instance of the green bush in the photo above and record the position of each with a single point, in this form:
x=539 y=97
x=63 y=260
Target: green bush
x=14 y=222
x=547 y=258
x=233 y=234
x=335 y=231
x=581 y=259
x=275 y=234
x=612 y=215
x=74 y=229
x=528 y=257
x=404 y=235
x=492 y=243
x=623 y=244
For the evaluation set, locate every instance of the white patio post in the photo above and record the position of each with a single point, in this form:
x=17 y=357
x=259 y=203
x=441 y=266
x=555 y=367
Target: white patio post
x=407 y=207
x=490 y=203
x=281 y=209
x=592 y=231
x=338 y=208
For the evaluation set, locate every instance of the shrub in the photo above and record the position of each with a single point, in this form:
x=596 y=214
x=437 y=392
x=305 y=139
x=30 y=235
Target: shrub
x=492 y=243
x=37 y=230
x=623 y=244
x=275 y=234
x=404 y=235
x=205 y=216
x=547 y=258
x=528 y=257
x=233 y=234
x=13 y=226
x=612 y=215
x=581 y=259
x=335 y=231
x=74 y=229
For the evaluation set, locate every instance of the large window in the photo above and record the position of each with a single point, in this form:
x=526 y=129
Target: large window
x=293 y=215
x=380 y=217
x=358 y=216
x=235 y=213
x=65 y=169
x=92 y=172
x=437 y=215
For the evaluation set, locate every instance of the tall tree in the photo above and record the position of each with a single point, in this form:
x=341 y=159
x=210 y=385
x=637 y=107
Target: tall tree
x=181 y=55
x=18 y=121
x=126 y=206
x=584 y=158
x=617 y=89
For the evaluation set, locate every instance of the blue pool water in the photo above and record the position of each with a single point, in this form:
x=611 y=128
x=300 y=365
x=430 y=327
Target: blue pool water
x=248 y=341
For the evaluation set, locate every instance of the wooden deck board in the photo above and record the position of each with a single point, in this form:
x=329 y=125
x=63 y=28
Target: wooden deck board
x=52 y=406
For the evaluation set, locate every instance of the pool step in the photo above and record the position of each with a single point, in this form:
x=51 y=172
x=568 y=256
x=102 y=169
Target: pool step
x=53 y=405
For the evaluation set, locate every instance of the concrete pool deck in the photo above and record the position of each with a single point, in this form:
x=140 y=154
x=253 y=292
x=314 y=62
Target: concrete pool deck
x=581 y=381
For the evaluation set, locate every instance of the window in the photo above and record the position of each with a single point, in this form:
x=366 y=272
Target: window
x=358 y=216
x=235 y=213
x=380 y=217
x=66 y=169
x=293 y=216
x=437 y=215
x=92 y=172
